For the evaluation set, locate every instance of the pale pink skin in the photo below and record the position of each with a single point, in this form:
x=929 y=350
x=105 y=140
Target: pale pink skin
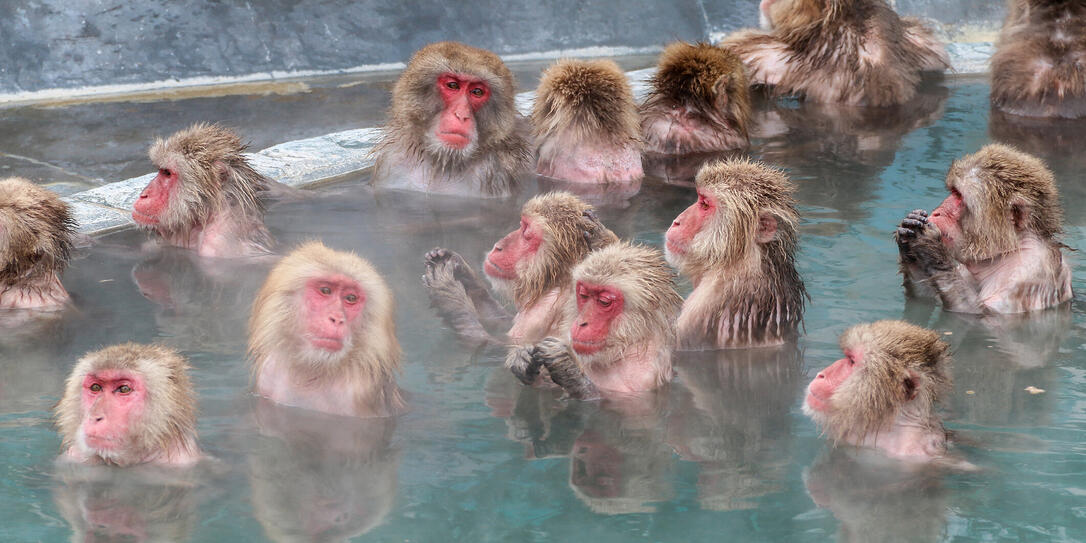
x=638 y=371
x=589 y=162
x=48 y=295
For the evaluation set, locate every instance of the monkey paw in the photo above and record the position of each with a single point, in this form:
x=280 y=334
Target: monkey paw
x=550 y=348
x=596 y=235
x=461 y=271
x=911 y=226
x=523 y=363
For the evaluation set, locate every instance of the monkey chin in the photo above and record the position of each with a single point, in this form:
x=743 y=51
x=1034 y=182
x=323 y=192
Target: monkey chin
x=501 y=286
x=675 y=257
x=109 y=451
x=144 y=220
x=314 y=354
x=450 y=153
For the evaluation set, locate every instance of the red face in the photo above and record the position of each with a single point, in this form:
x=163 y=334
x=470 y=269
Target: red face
x=153 y=200
x=947 y=217
x=462 y=95
x=331 y=305
x=597 y=307
x=520 y=244
x=112 y=400
x=689 y=223
x=826 y=382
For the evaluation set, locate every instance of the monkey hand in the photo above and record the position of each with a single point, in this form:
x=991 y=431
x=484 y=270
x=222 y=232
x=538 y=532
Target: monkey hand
x=913 y=233
x=451 y=300
x=522 y=361
x=564 y=370
x=462 y=271
x=595 y=233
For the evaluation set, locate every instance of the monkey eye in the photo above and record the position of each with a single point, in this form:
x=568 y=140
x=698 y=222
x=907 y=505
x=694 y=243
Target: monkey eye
x=477 y=92
x=325 y=291
x=453 y=85
x=124 y=389
x=96 y=387
x=605 y=302
x=351 y=298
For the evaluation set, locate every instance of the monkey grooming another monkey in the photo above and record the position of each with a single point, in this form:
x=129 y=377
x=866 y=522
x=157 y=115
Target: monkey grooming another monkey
x=36 y=231
x=1037 y=68
x=882 y=394
x=530 y=266
x=699 y=102
x=322 y=335
x=853 y=52
x=991 y=246
x=453 y=126
x=585 y=123
x=737 y=245
x=206 y=195
x=129 y=404
x=621 y=329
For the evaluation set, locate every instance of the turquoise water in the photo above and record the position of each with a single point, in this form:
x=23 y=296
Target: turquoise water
x=724 y=453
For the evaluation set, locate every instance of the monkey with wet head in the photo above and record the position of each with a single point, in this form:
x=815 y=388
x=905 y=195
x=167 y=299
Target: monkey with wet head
x=699 y=102
x=129 y=404
x=1037 y=68
x=206 y=196
x=991 y=246
x=883 y=393
x=619 y=329
x=322 y=335
x=453 y=126
x=737 y=245
x=854 y=52
x=36 y=231
x=585 y=124
x=530 y=266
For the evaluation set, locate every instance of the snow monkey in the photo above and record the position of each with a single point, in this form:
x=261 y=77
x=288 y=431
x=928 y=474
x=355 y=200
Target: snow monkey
x=129 y=404
x=453 y=126
x=854 y=52
x=322 y=335
x=991 y=246
x=1037 y=69
x=699 y=102
x=882 y=394
x=530 y=265
x=36 y=231
x=206 y=196
x=619 y=327
x=737 y=244
x=585 y=123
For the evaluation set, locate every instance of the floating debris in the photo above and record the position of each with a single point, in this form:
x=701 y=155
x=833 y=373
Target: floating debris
x=1034 y=390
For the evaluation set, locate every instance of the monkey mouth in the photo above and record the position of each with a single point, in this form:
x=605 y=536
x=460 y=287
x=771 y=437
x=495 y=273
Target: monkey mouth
x=586 y=347
x=456 y=140
x=331 y=344
x=494 y=270
x=100 y=442
x=817 y=404
x=140 y=218
x=675 y=247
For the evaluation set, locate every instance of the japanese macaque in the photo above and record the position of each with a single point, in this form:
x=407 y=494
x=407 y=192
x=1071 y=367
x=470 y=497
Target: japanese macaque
x=36 y=231
x=991 y=246
x=854 y=52
x=530 y=265
x=699 y=102
x=620 y=327
x=882 y=394
x=585 y=123
x=737 y=245
x=453 y=126
x=322 y=335
x=206 y=196
x=1037 y=69
x=129 y=404
x=129 y=506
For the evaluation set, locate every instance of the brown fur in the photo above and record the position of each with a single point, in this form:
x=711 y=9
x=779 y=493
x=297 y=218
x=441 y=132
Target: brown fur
x=216 y=180
x=856 y=52
x=372 y=359
x=585 y=101
x=502 y=151
x=710 y=80
x=169 y=418
x=36 y=231
x=756 y=284
x=893 y=352
x=1037 y=69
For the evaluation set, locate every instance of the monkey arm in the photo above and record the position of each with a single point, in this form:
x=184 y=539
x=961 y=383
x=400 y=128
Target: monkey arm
x=553 y=354
x=522 y=361
x=909 y=235
x=453 y=304
x=489 y=311
x=929 y=269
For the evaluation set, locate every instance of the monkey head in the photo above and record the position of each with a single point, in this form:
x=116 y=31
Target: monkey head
x=624 y=295
x=744 y=211
x=891 y=369
x=787 y=14
x=459 y=99
x=324 y=307
x=997 y=195
x=36 y=230
x=127 y=403
x=556 y=231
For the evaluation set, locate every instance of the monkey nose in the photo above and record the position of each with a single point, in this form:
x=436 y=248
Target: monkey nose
x=675 y=222
x=582 y=324
x=336 y=319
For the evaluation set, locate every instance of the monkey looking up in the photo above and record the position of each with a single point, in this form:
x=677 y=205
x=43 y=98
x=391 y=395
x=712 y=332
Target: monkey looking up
x=585 y=123
x=854 y=52
x=453 y=126
x=36 y=231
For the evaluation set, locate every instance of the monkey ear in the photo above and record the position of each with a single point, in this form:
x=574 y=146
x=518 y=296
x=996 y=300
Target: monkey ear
x=767 y=228
x=720 y=89
x=911 y=385
x=1019 y=214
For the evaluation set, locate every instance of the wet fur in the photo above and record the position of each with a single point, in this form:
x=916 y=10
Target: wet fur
x=36 y=229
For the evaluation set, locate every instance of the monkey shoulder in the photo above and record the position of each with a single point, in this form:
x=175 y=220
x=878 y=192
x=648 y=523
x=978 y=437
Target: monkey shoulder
x=1035 y=277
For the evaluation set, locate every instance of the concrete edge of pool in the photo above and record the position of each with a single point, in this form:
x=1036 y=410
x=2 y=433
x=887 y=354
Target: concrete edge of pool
x=313 y=161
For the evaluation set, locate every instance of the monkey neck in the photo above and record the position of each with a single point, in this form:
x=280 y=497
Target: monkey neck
x=41 y=292
x=637 y=368
x=912 y=434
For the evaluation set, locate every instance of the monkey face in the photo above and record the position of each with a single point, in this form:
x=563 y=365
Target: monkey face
x=947 y=218
x=511 y=253
x=686 y=226
x=597 y=307
x=331 y=305
x=153 y=201
x=113 y=402
x=455 y=128
x=820 y=391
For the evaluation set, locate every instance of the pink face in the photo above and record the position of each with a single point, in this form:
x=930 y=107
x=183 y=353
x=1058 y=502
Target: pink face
x=112 y=401
x=597 y=308
x=826 y=382
x=331 y=306
x=155 y=197
x=947 y=217
x=689 y=223
x=462 y=95
x=520 y=244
